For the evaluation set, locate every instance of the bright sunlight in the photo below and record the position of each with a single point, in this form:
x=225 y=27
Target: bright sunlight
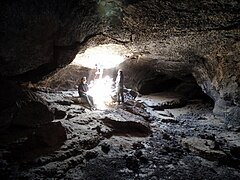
x=108 y=56
x=97 y=59
x=102 y=91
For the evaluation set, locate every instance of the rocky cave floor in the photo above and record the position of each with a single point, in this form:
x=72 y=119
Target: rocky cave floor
x=158 y=136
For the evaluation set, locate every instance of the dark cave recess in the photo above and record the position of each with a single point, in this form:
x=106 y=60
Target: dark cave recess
x=186 y=86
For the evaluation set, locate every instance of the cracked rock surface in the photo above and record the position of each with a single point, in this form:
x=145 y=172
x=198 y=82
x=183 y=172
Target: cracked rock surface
x=116 y=143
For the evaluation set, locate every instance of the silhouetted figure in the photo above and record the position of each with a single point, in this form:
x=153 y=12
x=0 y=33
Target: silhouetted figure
x=83 y=92
x=119 y=87
x=98 y=72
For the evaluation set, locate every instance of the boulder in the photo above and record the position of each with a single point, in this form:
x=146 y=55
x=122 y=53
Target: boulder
x=48 y=135
x=232 y=118
x=32 y=114
x=203 y=148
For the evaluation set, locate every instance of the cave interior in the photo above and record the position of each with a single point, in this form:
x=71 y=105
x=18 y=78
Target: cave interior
x=180 y=118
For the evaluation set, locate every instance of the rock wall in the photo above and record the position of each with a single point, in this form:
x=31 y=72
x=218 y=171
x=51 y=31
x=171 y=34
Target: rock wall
x=39 y=36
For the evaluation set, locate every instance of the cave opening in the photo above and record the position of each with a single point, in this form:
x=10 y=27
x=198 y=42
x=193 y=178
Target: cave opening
x=105 y=60
x=106 y=56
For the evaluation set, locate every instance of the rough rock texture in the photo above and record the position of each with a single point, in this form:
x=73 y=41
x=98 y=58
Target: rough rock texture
x=48 y=135
x=22 y=107
x=116 y=144
x=174 y=44
x=66 y=78
x=39 y=36
x=204 y=147
x=166 y=39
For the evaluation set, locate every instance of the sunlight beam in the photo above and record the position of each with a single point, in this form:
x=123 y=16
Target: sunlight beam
x=104 y=57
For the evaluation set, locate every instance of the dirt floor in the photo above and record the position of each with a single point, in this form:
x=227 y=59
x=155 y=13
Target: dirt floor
x=159 y=136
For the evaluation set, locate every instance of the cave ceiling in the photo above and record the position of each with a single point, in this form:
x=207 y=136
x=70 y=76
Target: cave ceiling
x=38 y=36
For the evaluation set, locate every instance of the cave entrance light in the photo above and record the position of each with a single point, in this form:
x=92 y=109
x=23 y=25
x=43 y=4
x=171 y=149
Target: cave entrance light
x=104 y=57
x=107 y=56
